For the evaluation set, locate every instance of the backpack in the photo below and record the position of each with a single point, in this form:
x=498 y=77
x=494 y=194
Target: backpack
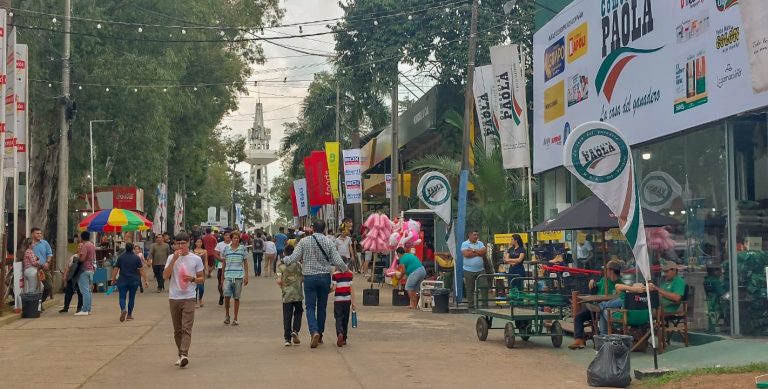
x=258 y=245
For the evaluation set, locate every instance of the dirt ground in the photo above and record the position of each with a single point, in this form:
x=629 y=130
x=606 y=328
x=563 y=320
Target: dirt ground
x=724 y=381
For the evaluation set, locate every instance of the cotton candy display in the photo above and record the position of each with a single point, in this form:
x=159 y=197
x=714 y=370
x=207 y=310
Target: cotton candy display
x=379 y=228
x=406 y=236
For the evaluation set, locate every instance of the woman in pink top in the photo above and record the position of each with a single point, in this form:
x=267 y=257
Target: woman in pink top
x=30 y=265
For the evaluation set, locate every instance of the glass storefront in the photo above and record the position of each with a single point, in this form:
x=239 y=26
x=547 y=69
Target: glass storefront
x=699 y=178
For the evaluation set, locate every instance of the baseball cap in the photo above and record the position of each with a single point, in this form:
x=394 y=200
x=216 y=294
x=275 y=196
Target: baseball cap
x=669 y=265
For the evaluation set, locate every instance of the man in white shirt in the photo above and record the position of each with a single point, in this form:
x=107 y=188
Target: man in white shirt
x=346 y=250
x=220 y=274
x=584 y=252
x=183 y=270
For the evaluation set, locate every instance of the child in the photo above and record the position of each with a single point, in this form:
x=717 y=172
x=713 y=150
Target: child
x=343 y=300
x=289 y=278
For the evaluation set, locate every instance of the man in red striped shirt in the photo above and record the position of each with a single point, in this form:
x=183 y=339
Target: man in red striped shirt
x=343 y=300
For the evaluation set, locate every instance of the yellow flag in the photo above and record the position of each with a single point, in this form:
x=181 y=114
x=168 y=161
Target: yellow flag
x=332 y=155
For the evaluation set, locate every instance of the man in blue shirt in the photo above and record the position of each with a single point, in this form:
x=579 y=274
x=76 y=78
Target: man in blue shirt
x=44 y=254
x=280 y=239
x=473 y=251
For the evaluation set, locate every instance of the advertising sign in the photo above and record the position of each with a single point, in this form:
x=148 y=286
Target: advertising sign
x=483 y=92
x=650 y=67
x=658 y=190
x=388 y=184
x=9 y=154
x=332 y=158
x=353 y=176
x=22 y=54
x=211 y=215
x=510 y=108
x=302 y=199
x=318 y=181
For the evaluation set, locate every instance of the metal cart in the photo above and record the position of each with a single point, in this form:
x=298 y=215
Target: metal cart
x=534 y=303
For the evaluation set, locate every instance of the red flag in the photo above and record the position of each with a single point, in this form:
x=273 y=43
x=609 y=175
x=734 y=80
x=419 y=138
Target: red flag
x=294 y=203
x=318 y=180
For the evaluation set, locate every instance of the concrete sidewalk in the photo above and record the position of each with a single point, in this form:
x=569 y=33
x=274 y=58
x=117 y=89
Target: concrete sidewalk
x=393 y=348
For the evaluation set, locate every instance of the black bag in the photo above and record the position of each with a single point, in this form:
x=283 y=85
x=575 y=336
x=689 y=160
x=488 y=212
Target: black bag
x=258 y=245
x=610 y=368
x=370 y=297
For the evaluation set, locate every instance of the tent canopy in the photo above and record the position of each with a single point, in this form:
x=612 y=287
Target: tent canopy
x=592 y=214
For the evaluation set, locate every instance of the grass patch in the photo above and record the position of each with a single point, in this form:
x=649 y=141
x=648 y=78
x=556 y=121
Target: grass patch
x=760 y=367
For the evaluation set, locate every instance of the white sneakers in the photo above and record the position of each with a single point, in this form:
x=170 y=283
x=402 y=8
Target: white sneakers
x=183 y=361
x=82 y=313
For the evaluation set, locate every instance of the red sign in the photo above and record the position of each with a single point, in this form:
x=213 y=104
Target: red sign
x=318 y=180
x=294 y=203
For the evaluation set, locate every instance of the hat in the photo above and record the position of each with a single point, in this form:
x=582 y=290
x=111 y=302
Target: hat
x=669 y=265
x=613 y=264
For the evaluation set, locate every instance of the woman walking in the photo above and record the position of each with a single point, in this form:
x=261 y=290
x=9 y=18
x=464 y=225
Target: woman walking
x=203 y=254
x=270 y=256
x=129 y=268
x=140 y=253
x=31 y=266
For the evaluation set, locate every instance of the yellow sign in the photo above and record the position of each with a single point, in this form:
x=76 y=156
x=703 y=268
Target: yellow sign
x=554 y=104
x=332 y=156
x=507 y=238
x=405 y=185
x=578 y=42
x=551 y=235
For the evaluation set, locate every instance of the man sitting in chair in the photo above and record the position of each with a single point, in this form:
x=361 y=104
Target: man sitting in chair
x=672 y=288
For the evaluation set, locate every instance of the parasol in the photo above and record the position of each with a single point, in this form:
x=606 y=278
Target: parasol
x=115 y=220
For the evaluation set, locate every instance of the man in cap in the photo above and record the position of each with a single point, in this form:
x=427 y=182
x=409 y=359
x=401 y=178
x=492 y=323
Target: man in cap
x=606 y=286
x=672 y=288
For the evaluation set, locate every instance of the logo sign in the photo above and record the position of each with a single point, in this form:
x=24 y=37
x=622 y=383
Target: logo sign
x=578 y=42
x=434 y=190
x=658 y=190
x=554 y=60
x=599 y=155
x=554 y=102
x=723 y=5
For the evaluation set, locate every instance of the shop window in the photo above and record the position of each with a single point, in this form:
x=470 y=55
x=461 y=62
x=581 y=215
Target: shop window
x=750 y=159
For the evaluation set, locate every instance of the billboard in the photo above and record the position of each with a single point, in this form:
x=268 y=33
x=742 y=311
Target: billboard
x=649 y=67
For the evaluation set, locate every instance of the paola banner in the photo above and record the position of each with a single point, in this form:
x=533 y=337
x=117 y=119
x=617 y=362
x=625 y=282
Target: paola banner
x=483 y=92
x=318 y=181
x=302 y=200
x=509 y=107
x=332 y=158
x=353 y=176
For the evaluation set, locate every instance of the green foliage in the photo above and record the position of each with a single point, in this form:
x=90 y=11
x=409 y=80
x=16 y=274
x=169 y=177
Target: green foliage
x=680 y=376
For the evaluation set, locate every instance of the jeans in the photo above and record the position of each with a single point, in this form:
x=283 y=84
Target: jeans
x=470 y=279
x=341 y=311
x=257 y=258
x=70 y=292
x=604 y=306
x=316 y=289
x=200 y=291
x=31 y=282
x=47 y=284
x=158 y=270
x=85 y=283
x=129 y=289
x=578 y=323
x=292 y=318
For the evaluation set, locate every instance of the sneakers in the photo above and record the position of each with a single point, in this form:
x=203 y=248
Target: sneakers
x=183 y=361
x=287 y=343
x=129 y=318
x=226 y=320
x=123 y=314
x=315 y=341
x=295 y=338
x=63 y=310
x=340 y=340
x=82 y=313
x=235 y=323
x=178 y=361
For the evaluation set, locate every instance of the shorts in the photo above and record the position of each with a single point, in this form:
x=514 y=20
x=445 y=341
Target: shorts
x=233 y=287
x=413 y=282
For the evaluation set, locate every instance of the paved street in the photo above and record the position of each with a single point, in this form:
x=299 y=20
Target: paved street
x=392 y=348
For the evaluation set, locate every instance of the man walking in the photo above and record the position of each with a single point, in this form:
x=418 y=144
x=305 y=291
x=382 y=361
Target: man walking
x=158 y=255
x=280 y=239
x=319 y=255
x=86 y=256
x=235 y=269
x=258 y=253
x=209 y=244
x=183 y=270
x=44 y=255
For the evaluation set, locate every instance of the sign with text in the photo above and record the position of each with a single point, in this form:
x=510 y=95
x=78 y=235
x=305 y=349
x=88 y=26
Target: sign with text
x=353 y=176
x=302 y=199
x=318 y=180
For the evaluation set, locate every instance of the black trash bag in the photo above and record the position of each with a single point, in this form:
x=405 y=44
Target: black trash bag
x=610 y=368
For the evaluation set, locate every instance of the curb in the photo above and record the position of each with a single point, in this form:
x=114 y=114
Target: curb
x=12 y=317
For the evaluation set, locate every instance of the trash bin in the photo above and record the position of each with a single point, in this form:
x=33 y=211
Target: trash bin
x=611 y=368
x=30 y=305
x=440 y=300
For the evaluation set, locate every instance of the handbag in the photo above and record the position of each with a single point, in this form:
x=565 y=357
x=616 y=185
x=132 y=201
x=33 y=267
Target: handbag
x=40 y=275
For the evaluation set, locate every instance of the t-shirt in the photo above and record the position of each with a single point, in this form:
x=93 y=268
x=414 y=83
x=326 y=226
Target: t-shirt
x=676 y=286
x=342 y=244
x=411 y=263
x=290 y=275
x=280 y=240
x=473 y=264
x=158 y=251
x=220 y=249
x=209 y=243
x=269 y=248
x=234 y=258
x=515 y=253
x=343 y=283
x=583 y=250
x=129 y=265
x=187 y=265
x=87 y=255
x=601 y=286
x=258 y=245
x=42 y=250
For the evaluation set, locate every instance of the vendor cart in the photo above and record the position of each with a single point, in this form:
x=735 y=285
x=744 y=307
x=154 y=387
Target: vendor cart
x=535 y=308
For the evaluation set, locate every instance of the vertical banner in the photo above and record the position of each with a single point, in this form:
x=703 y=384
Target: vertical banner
x=294 y=203
x=483 y=92
x=239 y=216
x=332 y=158
x=211 y=215
x=353 y=176
x=318 y=182
x=223 y=217
x=22 y=53
x=509 y=107
x=388 y=182
x=302 y=198
x=9 y=153
x=161 y=213
x=434 y=191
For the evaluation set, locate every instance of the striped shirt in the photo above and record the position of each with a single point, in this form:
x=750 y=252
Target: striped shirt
x=233 y=262
x=342 y=281
x=315 y=262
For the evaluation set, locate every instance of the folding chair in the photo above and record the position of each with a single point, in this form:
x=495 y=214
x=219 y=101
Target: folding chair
x=633 y=319
x=677 y=322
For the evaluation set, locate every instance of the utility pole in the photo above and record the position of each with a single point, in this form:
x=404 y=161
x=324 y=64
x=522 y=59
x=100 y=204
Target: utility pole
x=62 y=213
x=465 y=153
x=338 y=140
x=394 y=205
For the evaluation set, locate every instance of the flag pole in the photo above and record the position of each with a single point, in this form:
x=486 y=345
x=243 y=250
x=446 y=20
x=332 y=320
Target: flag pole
x=653 y=327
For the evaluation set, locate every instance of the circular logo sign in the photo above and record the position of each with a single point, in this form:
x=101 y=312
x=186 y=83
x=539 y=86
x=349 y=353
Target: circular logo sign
x=599 y=155
x=435 y=191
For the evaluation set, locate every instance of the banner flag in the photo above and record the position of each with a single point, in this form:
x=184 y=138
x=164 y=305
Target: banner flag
x=223 y=217
x=599 y=156
x=434 y=190
x=239 y=217
x=9 y=153
x=509 y=106
x=21 y=130
x=178 y=212
x=294 y=205
x=158 y=227
x=211 y=215
x=483 y=92
x=302 y=199
x=388 y=184
x=353 y=176
x=332 y=158
x=318 y=182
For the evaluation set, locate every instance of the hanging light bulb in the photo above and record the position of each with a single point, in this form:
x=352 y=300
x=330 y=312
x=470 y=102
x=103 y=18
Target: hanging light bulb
x=195 y=88
x=375 y=22
x=301 y=31
x=98 y=26
x=410 y=17
x=141 y=29
x=135 y=90
x=107 y=89
x=53 y=20
x=80 y=87
x=165 y=89
x=183 y=31
x=10 y=14
x=50 y=85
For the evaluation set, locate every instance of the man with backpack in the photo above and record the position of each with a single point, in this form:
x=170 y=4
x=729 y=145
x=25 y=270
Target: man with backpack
x=258 y=253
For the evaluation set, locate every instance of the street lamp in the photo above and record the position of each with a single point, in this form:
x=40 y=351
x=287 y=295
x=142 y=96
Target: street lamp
x=93 y=177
